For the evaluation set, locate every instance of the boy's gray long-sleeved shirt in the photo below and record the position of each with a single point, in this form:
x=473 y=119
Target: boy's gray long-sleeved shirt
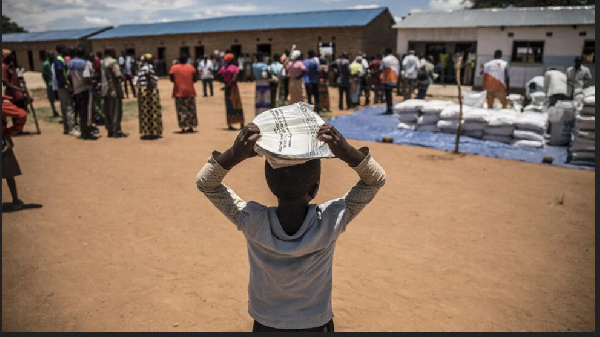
x=291 y=275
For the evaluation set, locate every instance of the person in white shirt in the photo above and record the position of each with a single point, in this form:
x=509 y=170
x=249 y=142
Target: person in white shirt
x=578 y=77
x=496 y=80
x=410 y=65
x=205 y=68
x=555 y=86
x=291 y=246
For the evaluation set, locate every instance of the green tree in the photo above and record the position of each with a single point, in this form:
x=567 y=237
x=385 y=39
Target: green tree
x=477 y=4
x=11 y=27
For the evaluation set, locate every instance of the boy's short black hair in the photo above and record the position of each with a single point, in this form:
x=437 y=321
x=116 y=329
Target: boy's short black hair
x=293 y=182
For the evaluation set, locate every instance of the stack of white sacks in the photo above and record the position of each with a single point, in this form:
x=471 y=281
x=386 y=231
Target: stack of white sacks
x=430 y=115
x=530 y=129
x=583 y=144
x=509 y=126
x=501 y=125
x=408 y=112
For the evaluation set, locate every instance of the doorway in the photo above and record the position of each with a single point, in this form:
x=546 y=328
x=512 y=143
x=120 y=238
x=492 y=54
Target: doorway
x=327 y=49
x=199 y=52
x=30 y=59
x=236 y=50
x=265 y=49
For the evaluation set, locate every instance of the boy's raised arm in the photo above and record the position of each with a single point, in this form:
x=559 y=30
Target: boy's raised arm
x=372 y=176
x=210 y=178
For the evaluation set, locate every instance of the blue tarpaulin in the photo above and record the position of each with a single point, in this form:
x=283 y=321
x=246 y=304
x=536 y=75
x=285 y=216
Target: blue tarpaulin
x=371 y=124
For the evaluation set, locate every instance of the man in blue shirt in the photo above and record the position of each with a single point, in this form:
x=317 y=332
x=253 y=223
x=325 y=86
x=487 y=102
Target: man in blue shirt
x=311 y=79
x=263 y=89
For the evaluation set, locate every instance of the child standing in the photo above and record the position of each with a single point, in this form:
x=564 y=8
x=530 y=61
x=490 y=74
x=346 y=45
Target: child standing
x=291 y=246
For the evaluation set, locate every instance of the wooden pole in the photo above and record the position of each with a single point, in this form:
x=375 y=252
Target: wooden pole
x=460 y=115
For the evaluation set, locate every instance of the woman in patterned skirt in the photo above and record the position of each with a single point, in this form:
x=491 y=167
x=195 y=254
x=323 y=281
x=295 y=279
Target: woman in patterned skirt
x=183 y=75
x=324 y=85
x=150 y=116
x=233 y=100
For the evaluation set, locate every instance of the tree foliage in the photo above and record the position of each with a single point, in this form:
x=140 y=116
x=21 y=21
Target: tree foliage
x=11 y=27
x=477 y=4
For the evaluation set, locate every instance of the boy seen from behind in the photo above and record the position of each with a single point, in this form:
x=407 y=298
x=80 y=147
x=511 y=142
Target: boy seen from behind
x=291 y=246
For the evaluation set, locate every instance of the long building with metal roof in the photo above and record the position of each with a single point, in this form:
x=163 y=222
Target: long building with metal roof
x=29 y=49
x=368 y=31
x=532 y=39
x=317 y=19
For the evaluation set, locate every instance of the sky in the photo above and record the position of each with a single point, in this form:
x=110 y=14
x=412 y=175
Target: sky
x=43 y=15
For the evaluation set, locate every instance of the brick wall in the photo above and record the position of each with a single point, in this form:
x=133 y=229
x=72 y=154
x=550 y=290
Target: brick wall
x=21 y=49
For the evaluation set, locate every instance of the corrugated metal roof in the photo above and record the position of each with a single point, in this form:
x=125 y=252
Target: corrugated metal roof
x=54 y=35
x=496 y=17
x=333 y=18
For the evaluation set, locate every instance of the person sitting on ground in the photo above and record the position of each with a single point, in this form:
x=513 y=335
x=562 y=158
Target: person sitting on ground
x=291 y=246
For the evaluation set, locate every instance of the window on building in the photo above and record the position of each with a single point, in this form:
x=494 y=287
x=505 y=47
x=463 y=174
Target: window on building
x=42 y=55
x=589 y=52
x=528 y=51
x=130 y=51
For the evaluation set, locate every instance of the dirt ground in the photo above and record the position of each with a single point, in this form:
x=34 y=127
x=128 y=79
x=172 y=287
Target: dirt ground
x=125 y=242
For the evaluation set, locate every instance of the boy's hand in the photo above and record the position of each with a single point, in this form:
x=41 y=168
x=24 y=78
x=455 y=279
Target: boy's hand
x=339 y=146
x=242 y=148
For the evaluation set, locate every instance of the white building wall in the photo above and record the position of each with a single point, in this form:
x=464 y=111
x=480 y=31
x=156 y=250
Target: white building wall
x=565 y=40
x=434 y=35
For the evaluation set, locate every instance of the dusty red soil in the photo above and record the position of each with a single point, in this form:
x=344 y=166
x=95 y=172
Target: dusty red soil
x=125 y=242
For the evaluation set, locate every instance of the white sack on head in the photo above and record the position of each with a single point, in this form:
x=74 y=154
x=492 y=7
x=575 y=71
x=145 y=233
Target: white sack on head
x=289 y=135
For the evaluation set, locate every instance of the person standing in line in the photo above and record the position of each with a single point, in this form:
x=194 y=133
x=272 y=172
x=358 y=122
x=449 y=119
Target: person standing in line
x=10 y=165
x=469 y=67
x=341 y=66
x=365 y=79
x=375 y=74
x=60 y=83
x=233 y=100
x=324 y=103
x=47 y=77
x=390 y=68
x=296 y=70
x=205 y=67
x=496 y=80
x=285 y=80
x=410 y=65
x=274 y=69
x=262 y=97
x=126 y=63
x=424 y=77
x=578 y=77
x=356 y=70
x=311 y=79
x=241 y=62
x=80 y=74
x=247 y=68
x=183 y=76
x=149 y=107
x=112 y=93
x=555 y=86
